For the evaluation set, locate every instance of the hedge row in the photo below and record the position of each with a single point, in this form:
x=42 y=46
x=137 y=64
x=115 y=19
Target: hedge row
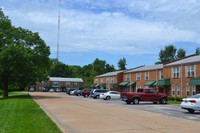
x=173 y=98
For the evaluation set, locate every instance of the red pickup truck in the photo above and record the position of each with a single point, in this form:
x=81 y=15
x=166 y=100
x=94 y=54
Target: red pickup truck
x=147 y=94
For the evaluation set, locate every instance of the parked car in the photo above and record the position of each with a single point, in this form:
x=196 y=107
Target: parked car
x=144 y=94
x=96 y=93
x=110 y=95
x=72 y=92
x=191 y=104
x=51 y=90
x=78 y=92
x=86 y=92
x=69 y=90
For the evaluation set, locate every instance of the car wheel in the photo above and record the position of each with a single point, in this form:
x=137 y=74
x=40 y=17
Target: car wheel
x=190 y=110
x=86 y=95
x=108 y=98
x=155 y=102
x=128 y=102
x=163 y=101
x=97 y=97
x=136 y=100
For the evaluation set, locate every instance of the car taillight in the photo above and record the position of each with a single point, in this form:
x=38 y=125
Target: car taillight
x=192 y=101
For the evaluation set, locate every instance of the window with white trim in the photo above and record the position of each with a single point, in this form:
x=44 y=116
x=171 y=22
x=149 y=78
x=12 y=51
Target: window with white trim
x=76 y=84
x=161 y=74
x=190 y=71
x=187 y=90
x=178 y=90
x=193 y=89
x=173 y=90
x=128 y=77
x=146 y=75
x=68 y=84
x=101 y=80
x=55 y=83
x=112 y=79
x=138 y=76
x=176 y=72
x=107 y=79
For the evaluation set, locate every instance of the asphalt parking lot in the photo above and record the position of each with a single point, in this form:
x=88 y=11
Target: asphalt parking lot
x=85 y=115
x=166 y=109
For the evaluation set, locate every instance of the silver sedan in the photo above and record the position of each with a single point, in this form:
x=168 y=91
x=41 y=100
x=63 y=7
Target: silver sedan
x=110 y=95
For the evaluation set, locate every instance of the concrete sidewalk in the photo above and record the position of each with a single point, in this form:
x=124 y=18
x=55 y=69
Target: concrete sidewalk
x=74 y=115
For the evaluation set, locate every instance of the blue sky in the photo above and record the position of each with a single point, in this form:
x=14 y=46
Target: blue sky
x=110 y=29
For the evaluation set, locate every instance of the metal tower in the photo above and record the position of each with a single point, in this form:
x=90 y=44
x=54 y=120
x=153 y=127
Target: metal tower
x=58 y=34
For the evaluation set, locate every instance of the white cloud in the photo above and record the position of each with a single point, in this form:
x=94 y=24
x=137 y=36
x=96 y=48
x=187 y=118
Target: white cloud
x=116 y=26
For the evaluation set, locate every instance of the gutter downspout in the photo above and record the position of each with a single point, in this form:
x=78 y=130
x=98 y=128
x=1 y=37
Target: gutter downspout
x=181 y=80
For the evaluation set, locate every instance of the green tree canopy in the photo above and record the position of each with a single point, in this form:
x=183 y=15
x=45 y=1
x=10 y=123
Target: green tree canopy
x=122 y=64
x=197 y=51
x=24 y=56
x=170 y=53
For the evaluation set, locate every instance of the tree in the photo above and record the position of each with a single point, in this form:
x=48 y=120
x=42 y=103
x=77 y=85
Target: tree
x=180 y=53
x=122 y=64
x=197 y=50
x=169 y=54
x=24 y=56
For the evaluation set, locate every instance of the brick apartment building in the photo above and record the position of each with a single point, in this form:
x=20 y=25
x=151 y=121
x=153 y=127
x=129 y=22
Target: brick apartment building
x=177 y=78
x=109 y=80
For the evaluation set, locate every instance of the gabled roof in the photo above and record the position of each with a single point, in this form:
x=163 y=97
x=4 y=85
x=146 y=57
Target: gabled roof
x=65 y=79
x=146 y=68
x=185 y=60
x=109 y=74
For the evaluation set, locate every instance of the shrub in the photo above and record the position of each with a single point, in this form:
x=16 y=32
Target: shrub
x=171 y=98
x=178 y=99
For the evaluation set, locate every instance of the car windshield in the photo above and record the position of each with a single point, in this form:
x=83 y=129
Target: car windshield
x=195 y=96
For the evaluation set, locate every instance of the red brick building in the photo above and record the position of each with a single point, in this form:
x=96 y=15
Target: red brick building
x=179 y=78
x=184 y=75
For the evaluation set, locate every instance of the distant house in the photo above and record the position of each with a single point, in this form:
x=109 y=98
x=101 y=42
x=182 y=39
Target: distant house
x=60 y=83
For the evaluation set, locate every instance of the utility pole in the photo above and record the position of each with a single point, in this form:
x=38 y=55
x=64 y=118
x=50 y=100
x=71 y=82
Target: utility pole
x=58 y=34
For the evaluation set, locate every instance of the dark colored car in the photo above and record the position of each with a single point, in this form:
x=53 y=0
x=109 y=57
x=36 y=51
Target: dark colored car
x=96 y=93
x=78 y=92
x=86 y=92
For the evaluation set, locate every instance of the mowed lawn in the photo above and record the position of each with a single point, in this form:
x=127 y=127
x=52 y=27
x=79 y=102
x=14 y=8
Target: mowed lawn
x=20 y=114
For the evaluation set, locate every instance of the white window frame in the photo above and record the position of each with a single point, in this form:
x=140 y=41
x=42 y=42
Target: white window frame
x=187 y=90
x=146 y=75
x=161 y=74
x=112 y=79
x=68 y=84
x=76 y=84
x=178 y=90
x=128 y=77
x=107 y=80
x=176 y=72
x=194 y=90
x=138 y=76
x=190 y=71
x=55 y=83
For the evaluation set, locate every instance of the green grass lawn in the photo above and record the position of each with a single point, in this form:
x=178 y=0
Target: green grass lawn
x=20 y=114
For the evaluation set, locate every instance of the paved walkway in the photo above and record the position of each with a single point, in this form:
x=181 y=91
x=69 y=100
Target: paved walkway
x=74 y=115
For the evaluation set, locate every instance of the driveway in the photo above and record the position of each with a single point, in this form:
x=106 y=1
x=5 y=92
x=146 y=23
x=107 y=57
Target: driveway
x=74 y=115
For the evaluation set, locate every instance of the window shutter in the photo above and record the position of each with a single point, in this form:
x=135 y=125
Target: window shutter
x=194 y=70
x=172 y=73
